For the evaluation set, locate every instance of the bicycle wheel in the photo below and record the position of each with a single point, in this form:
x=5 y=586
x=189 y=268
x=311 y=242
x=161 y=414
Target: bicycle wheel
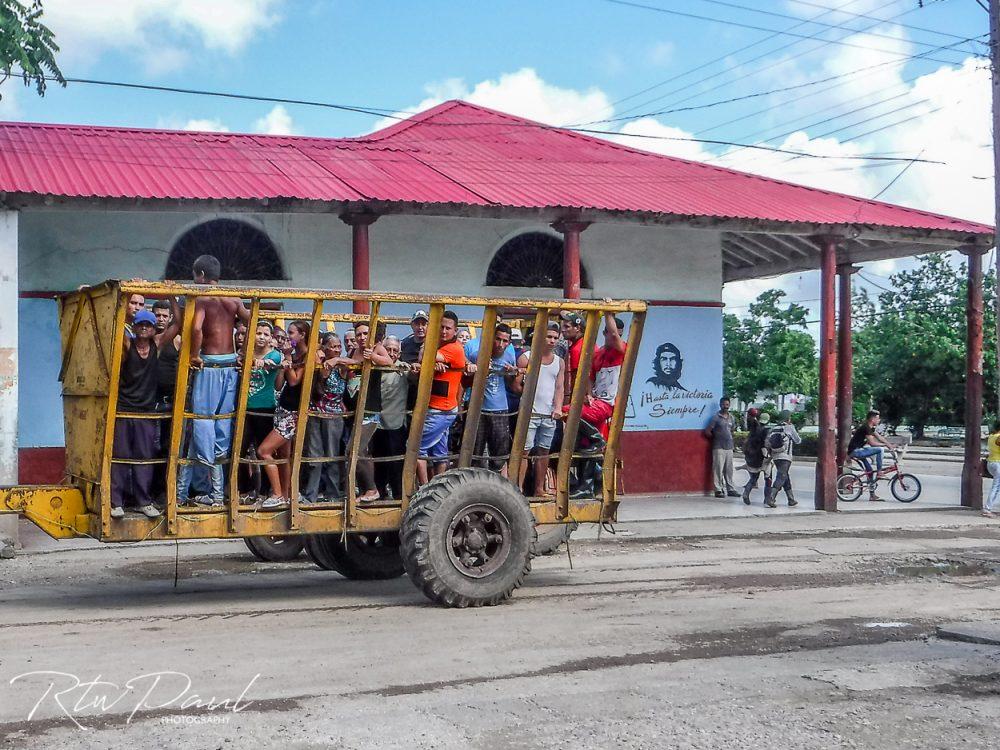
x=849 y=487
x=905 y=488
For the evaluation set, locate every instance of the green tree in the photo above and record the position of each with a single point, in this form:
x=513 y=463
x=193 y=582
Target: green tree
x=769 y=350
x=910 y=347
x=27 y=46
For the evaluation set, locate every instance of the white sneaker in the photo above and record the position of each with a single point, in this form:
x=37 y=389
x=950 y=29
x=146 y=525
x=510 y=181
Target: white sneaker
x=150 y=511
x=273 y=503
x=118 y=513
x=209 y=501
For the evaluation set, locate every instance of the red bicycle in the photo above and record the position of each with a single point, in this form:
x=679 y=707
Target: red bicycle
x=904 y=487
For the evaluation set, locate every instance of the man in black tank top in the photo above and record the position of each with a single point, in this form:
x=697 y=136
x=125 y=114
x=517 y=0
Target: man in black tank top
x=136 y=439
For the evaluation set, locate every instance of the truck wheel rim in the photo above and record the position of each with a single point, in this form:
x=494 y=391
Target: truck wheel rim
x=479 y=540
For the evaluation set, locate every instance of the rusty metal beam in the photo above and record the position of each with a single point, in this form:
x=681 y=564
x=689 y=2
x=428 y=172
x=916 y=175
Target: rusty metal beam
x=826 y=467
x=972 y=483
x=845 y=366
x=242 y=396
x=420 y=408
x=528 y=394
x=478 y=391
x=581 y=388
x=359 y=418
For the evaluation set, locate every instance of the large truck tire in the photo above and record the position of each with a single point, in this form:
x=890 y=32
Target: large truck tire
x=552 y=536
x=467 y=538
x=318 y=552
x=367 y=556
x=274 y=548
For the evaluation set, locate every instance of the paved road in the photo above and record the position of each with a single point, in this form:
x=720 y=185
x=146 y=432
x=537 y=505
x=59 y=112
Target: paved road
x=802 y=631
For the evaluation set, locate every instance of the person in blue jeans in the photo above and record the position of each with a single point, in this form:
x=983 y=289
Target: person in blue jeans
x=213 y=390
x=865 y=443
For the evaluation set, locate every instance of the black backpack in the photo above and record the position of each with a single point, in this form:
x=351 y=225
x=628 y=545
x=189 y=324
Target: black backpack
x=753 y=449
x=778 y=441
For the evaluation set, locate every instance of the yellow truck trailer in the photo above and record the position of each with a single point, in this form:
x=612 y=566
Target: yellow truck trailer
x=465 y=538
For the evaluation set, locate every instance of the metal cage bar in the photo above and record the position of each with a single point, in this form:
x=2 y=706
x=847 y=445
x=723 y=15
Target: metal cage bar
x=117 y=345
x=424 y=383
x=163 y=289
x=580 y=388
x=483 y=361
x=351 y=501
x=239 y=424
x=179 y=407
x=613 y=447
x=528 y=394
x=302 y=421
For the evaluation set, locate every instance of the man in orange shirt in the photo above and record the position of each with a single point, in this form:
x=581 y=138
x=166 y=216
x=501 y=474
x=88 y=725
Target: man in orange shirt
x=448 y=368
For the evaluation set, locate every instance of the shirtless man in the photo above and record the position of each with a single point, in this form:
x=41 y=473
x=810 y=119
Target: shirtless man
x=213 y=390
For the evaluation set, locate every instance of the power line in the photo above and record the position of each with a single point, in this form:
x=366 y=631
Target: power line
x=775 y=14
x=373 y=111
x=724 y=84
x=383 y=113
x=729 y=22
x=709 y=63
x=674 y=106
x=875 y=18
x=895 y=179
x=759 y=94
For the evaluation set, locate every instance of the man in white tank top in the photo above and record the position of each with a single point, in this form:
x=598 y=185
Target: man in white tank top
x=546 y=408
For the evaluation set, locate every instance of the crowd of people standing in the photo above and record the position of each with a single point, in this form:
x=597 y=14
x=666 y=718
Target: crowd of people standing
x=338 y=420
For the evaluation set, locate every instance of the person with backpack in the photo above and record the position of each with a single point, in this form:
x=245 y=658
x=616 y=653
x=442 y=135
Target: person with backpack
x=754 y=451
x=779 y=444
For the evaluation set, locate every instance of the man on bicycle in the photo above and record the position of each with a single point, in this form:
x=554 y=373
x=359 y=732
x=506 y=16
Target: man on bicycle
x=865 y=443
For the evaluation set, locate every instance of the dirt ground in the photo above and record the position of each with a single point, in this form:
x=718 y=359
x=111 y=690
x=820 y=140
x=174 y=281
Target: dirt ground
x=801 y=638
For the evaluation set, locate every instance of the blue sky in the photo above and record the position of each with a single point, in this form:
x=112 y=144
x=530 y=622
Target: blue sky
x=564 y=62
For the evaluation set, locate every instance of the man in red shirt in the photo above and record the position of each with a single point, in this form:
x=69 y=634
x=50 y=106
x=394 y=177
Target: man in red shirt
x=572 y=332
x=605 y=372
x=448 y=368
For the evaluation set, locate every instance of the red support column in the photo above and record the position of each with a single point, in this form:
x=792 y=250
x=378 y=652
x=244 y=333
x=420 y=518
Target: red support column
x=826 y=466
x=571 y=255
x=845 y=366
x=972 y=482
x=360 y=260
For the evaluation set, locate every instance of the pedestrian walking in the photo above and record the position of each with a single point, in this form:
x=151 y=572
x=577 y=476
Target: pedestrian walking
x=779 y=444
x=720 y=432
x=754 y=451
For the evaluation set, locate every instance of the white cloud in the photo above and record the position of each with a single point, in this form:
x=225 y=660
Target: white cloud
x=275 y=122
x=10 y=107
x=522 y=93
x=663 y=139
x=661 y=53
x=203 y=124
x=215 y=126
x=160 y=33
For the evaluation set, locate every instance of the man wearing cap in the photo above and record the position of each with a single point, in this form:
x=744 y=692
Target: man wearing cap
x=605 y=372
x=409 y=348
x=136 y=438
x=572 y=331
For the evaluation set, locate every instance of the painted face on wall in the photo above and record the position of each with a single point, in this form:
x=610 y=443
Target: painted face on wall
x=667 y=366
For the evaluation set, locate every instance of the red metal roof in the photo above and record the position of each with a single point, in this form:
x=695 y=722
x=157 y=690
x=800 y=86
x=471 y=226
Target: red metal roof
x=454 y=153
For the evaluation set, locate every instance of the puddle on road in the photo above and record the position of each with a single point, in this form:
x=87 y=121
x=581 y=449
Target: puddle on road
x=932 y=567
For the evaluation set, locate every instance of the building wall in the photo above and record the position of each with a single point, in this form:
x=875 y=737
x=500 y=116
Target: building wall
x=59 y=249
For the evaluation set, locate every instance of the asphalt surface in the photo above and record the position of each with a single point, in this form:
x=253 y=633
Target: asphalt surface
x=799 y=631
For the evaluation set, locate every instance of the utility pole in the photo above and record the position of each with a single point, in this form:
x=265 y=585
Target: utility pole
x=995 y=69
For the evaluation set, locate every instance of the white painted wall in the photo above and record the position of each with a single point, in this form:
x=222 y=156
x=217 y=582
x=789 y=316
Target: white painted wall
x=8 y=347
x=61 y=249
